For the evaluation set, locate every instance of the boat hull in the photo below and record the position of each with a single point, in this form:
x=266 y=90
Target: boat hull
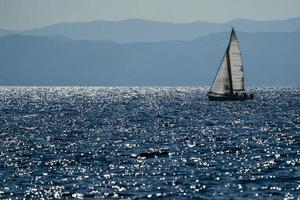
x=241 y=97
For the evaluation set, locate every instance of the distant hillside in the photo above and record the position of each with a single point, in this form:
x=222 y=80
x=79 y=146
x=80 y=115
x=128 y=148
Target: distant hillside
x=5 y=32
x=269 y=59
x=137 y=30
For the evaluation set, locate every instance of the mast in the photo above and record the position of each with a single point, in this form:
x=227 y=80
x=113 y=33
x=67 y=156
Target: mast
x=228 y=61
x=229 y=68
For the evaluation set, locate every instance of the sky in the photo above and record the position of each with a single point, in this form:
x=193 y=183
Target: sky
x=28 y=14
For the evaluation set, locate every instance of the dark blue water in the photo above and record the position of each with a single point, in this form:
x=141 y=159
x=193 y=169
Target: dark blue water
x=85 y=143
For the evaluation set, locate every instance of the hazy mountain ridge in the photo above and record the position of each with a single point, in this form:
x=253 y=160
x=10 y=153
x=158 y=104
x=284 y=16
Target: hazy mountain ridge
x=138 y=30
x=269 y=59
x=6 y=32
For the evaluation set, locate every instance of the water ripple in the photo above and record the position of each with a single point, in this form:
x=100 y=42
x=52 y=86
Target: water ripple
x=149 y=142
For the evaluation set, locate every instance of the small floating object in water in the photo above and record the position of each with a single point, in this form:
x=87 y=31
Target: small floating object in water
x=153 y=154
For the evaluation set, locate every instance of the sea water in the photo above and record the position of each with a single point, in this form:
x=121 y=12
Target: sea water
x=85 y=142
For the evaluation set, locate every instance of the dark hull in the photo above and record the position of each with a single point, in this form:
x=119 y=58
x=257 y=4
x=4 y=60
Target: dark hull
x=230 y=97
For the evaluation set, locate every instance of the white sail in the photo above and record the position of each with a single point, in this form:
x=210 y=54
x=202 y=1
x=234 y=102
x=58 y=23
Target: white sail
x=236 y=63
x=221 y=84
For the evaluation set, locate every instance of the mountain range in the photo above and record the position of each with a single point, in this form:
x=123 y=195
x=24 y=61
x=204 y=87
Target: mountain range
x=269 y=59
x=137 y=30
x=147 y=53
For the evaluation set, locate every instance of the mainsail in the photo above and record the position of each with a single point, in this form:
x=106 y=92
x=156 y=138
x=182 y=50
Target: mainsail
x=230 y=76
x=236 y=63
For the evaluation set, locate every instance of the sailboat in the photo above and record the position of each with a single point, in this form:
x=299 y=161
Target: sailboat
x=229 y=83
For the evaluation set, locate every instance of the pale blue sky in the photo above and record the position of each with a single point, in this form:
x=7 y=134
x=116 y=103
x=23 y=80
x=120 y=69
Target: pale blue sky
x=26 y=14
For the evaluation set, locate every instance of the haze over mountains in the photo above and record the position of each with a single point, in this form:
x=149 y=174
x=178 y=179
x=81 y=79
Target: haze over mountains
x=137 y=30
x=141 y=53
